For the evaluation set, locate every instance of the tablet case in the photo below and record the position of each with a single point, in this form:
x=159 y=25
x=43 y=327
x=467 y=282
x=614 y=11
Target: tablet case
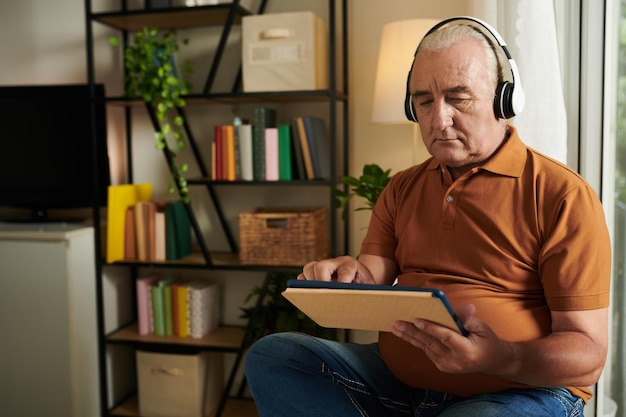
x=369 y=307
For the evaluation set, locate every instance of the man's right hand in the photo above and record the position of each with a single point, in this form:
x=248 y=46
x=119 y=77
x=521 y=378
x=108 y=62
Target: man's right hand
x=340 y=269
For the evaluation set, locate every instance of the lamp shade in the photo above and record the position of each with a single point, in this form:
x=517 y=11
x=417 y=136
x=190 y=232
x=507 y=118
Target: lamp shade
x=397 y=45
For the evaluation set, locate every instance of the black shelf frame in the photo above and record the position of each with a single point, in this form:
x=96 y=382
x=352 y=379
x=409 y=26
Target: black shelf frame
x=225 y=15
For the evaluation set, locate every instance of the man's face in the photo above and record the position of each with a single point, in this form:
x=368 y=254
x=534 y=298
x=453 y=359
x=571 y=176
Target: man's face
x=453 y=97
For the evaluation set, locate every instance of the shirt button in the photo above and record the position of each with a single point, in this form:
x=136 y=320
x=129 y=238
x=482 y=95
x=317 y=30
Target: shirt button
x=449 y=198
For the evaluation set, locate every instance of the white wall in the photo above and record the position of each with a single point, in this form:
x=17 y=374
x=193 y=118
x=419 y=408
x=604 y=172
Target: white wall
x=42 y=42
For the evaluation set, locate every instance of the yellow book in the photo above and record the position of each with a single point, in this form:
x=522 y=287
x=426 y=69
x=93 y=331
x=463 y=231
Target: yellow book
x=230 y=165
x=183 y=310
x=120 y=197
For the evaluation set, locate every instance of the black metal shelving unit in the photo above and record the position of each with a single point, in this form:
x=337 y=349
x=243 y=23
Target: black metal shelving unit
x=224 y=15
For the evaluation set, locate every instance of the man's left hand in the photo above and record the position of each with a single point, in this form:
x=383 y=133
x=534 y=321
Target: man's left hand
x=480 y=351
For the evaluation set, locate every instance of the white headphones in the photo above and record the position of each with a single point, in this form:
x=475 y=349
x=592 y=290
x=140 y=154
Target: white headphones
x=509 y=96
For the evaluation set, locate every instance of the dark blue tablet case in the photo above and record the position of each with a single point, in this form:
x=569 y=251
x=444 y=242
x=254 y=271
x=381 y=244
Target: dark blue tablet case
x=367 y=306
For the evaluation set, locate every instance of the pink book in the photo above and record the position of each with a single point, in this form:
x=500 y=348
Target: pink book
x=271 y=154
x=144 y=305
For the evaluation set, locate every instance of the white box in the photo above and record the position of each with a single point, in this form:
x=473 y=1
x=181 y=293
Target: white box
x=284 y=52
x=176 y=385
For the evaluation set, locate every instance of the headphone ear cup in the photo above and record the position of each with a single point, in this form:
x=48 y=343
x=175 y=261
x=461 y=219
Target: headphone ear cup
x=409 y=109
x=503 y=101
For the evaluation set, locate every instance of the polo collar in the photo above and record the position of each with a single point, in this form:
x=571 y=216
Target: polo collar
x=509 y=160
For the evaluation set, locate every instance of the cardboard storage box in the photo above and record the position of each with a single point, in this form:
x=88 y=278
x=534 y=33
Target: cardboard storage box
x=283 y=236
x=284 y=52
x=176 y=385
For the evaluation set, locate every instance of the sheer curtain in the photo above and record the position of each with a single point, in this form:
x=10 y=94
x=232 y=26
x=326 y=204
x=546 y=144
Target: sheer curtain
x=543 y=123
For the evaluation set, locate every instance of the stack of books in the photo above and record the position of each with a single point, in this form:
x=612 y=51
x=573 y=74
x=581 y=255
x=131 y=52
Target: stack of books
x=174 y=306
x=266 y=151
x=157 y=231
x=145 y=230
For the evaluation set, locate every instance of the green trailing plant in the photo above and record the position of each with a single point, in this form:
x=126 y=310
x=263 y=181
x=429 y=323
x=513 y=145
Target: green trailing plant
x=275 y=313
x=151 y=76
x=368 y=186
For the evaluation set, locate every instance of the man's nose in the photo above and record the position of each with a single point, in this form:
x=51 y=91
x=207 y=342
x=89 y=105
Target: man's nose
x=442 y=115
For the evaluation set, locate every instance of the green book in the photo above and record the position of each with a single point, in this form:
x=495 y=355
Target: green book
x=171 y=249
x=183 y=229
x=157 y=310
x=284 y=153
x=168 y=310
x=158 y=305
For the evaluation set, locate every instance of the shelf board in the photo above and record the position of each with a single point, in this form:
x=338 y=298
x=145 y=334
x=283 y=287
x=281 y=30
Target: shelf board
x=221 y=260
x=242 y=98
x=235 y=407
x=171 y=18
x=224 y=338
x=297 y=183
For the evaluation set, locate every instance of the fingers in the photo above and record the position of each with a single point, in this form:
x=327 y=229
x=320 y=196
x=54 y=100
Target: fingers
x=341 y=269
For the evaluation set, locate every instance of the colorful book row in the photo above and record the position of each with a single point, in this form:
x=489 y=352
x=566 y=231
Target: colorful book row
x=265 y=151
x=177 y=307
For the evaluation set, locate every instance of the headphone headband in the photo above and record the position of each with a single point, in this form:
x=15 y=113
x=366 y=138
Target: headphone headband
x=509 y=96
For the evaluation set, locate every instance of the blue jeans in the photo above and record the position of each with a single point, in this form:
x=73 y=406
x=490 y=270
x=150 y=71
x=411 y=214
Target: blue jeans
x=296 y=375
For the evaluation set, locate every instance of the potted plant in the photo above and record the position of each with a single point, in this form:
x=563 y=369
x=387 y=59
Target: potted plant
x=152 y=77
x=368 y=186
x=273 y=313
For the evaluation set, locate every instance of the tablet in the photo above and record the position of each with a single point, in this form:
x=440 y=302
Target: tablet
x=355 y=306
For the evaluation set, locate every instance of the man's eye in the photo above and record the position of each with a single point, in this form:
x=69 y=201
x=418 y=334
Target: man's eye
x=459 y=101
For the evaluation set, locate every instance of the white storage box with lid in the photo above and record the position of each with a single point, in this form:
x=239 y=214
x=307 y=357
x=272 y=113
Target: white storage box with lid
x=284 y=52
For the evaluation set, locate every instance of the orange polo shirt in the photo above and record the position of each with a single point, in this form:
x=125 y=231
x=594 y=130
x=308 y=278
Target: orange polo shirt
x=518 y=237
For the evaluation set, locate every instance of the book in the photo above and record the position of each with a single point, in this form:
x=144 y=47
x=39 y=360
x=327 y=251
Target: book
x=218 y=153
x=319 y=146
x=182 y=225
x=171 y=248
x=168 y=306
x=120 y=197
x=271 y=154
x=159 y=235
x=130 y=239
x=158 y=320
x=141 y=230
x=285 y=161
x=177 y=231
x=145 y=213
x=245 y=150
x=228 y=137
x=298 y=166
x=180 y=308
x=145 y=324
x=304 y=145
x=203 y=299
x=264 y=117
x=237 y=123
x=158 y=293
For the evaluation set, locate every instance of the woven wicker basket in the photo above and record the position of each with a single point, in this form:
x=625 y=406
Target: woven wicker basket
x=283 y=236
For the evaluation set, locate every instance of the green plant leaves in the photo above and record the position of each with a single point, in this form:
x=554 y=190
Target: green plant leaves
x=368 y=186
x=151 y=75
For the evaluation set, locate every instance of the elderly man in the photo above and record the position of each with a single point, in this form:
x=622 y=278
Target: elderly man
x=517 y=241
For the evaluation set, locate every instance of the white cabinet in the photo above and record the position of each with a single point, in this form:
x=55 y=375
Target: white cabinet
x=48 y=333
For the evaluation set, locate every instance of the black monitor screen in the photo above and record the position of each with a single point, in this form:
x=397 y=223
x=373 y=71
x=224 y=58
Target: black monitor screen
x=50 y=158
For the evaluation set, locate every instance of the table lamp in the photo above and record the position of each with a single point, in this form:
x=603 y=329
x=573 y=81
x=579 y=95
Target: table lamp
x=398 y=42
